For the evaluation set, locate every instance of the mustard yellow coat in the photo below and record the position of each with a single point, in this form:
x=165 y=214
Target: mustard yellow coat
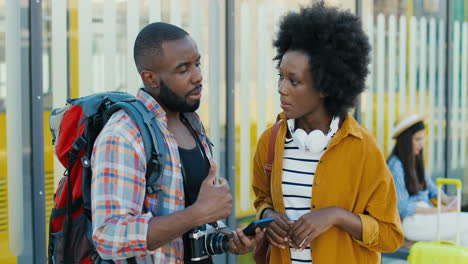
x=352 y=174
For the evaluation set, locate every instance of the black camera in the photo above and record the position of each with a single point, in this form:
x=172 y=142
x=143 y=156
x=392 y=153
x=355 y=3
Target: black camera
x=206 y=241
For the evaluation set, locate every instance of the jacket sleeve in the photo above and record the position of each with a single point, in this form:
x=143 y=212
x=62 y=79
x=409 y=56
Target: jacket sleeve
x=381 y=224
x=260 y=184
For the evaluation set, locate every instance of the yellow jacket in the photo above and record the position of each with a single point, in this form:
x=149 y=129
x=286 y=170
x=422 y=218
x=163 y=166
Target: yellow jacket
x=352 y=174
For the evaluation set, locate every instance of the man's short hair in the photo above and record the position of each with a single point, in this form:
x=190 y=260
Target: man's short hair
x=149 y=41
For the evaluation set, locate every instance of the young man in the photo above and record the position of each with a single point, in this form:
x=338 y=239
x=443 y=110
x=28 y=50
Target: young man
x=128 y=224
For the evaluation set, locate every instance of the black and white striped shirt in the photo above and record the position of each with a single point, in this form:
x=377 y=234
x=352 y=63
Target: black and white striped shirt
x=298 y=175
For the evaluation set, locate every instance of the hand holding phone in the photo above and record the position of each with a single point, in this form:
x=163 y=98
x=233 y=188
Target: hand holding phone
x=453 y=202
x=261 y=223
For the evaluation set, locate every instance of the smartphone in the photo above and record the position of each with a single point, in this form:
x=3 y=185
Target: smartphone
x=453 y=202
x=262 y=223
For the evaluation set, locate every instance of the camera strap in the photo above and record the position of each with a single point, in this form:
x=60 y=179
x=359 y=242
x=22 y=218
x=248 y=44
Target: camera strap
x=190 y=200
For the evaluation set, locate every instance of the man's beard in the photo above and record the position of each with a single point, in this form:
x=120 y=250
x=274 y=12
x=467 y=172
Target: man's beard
x=173 y=102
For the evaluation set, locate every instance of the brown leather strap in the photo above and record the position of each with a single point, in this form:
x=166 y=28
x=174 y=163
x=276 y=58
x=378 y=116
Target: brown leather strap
x=271 y=149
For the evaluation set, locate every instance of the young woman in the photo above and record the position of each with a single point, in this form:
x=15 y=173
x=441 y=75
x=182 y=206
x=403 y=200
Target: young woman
x=331 y=193
x=415 y=188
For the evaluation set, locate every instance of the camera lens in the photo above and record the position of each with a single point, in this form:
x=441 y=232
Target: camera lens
x=217 y=243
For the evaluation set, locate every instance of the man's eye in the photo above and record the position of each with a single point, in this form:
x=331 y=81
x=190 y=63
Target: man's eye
x=280 y=76
x=294 y=82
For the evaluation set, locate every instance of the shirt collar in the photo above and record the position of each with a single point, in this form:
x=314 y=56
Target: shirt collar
x=151 y=104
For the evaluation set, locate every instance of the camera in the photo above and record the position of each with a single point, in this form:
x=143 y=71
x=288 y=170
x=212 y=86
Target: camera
x=206 y=241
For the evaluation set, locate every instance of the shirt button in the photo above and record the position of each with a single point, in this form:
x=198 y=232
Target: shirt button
x=178 y=261
x=181 y=198
x=172 y=135
x=180 y=165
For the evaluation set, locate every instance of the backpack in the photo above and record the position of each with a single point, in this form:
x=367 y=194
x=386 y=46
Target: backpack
x=74 y=129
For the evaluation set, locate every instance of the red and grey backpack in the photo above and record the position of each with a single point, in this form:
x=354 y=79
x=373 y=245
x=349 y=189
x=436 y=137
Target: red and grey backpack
x=74 y=129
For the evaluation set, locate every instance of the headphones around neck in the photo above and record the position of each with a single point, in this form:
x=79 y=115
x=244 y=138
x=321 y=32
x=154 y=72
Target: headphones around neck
x=316 y=140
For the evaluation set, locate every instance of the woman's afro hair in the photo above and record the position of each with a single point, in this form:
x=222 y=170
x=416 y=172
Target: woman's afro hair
x=338 y=51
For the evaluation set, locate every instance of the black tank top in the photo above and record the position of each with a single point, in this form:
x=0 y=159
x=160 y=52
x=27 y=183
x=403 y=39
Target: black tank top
x=195 y=169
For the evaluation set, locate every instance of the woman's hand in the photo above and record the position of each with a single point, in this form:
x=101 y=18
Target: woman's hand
x=241 y=244
x=447 y=209
x=311 y=225
x=277 y=231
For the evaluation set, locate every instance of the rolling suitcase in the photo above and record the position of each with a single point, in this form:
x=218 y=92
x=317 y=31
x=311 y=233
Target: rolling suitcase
x=442 y=252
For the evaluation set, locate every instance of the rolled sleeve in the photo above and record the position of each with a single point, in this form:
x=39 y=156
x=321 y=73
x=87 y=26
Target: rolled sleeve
x=381 y=225
x=370 y=231
x=123 y=237
x=118 y=193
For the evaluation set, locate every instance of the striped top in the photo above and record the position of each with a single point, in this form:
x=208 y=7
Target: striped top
x=298 y=175
x=120 y=209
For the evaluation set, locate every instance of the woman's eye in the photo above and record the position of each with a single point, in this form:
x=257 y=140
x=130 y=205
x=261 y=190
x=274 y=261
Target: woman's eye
x=280 y=76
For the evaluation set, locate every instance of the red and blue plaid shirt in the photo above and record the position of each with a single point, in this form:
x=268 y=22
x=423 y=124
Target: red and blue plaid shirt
x=120 y=224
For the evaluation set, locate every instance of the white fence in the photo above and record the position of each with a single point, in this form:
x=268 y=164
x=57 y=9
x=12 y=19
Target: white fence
x=407 y=70
x=408 y=75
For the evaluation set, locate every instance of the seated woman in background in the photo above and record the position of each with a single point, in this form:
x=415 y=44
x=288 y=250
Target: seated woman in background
x=330 y=191
x=415 y=188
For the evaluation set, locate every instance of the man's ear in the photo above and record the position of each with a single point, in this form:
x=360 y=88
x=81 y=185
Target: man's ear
x=150 y=79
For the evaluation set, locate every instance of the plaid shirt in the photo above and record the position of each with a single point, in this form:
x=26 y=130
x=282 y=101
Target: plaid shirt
x=120 y=224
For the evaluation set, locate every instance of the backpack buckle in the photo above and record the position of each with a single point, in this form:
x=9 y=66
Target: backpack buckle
x=106 y=103
x=85 y=161
x=95 y=258
x=155 y=159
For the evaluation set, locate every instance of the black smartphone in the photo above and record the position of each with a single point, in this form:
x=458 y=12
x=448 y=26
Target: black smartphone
x=261 y=223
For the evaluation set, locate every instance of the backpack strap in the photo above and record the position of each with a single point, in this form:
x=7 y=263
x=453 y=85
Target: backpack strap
x=155 y=147
x=271 y=149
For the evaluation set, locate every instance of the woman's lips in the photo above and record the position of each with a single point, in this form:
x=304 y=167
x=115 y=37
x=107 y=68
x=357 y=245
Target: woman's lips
x=285 y=105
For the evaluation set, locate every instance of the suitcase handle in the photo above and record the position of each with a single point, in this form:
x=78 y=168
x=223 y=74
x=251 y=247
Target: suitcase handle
x=445 y=242
x=447 y=181
x=458 y=184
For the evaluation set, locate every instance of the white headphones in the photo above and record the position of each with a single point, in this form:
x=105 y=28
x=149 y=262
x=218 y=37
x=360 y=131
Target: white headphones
x=315 y=141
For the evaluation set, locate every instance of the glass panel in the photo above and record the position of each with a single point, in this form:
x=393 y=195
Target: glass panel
x=458 y=121
x=55 y=87
x=7 y=257
x=407 y=71
x=15 y=229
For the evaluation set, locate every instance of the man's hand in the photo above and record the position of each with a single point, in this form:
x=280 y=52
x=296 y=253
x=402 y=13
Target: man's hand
x=214 y=200
x=311 y=225
x=241 y=244
x=277 y=231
